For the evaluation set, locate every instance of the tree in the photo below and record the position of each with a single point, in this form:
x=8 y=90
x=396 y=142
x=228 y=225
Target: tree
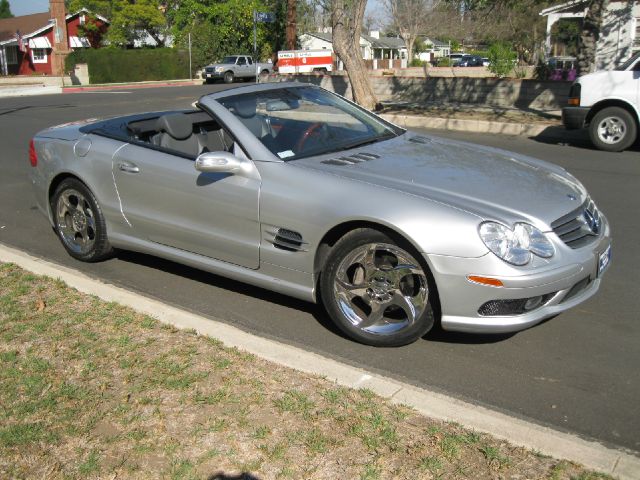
x=410 y=18
x=226 y=27
x=346 y=22
x=589 y=35
x=5 y=9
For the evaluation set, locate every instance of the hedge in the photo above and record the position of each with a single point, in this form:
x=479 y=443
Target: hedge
x=114 y=65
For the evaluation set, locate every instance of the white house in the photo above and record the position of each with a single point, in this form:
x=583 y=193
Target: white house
x=619 y=35
x=372 y=46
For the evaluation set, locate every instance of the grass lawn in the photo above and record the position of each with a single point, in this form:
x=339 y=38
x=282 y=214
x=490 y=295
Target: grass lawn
x=91 y=389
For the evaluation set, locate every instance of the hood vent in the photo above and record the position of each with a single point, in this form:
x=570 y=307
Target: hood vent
x=421 y=140
x=351 y=159
x=287 y=240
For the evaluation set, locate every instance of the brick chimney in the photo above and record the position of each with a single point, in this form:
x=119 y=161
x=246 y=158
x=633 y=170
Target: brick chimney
x=60 y=41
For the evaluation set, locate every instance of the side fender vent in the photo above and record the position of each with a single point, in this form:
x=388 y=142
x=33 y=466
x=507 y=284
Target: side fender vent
x=351 y=159
x=287 y=240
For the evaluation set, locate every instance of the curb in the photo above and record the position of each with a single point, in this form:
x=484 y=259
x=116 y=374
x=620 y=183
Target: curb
x=28 y=91
x=560 y=445
x=463 y=125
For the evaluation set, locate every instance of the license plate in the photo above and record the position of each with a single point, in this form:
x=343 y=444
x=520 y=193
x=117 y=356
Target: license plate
x=604 y=260
x=208 y=74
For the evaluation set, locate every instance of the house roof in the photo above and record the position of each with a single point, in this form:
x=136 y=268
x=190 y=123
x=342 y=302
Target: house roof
x=561 y=7
x=31 y=25
x=26 y=24
x=382 y=42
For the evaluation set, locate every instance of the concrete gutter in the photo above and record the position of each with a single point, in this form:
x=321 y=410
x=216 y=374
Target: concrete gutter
x=558 y=444
x=119 y=86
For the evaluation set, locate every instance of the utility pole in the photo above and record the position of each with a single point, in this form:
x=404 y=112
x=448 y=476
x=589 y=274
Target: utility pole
x=291 y=25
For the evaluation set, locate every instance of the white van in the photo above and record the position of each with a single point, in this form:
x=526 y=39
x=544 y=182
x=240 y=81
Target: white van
x=608 y=104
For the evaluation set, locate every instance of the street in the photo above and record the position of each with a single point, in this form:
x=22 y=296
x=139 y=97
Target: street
x=577 y=372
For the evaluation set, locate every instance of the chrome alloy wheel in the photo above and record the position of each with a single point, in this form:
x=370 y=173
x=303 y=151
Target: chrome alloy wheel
x=612 y=130
x=76 y=221
x=380 y=288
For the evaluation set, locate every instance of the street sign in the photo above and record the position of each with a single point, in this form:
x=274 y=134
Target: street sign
x=265 y=17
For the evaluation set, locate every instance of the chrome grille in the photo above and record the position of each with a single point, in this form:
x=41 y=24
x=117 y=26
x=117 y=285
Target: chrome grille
x=579 y=227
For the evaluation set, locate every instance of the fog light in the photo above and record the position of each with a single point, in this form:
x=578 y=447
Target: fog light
x=533 y=302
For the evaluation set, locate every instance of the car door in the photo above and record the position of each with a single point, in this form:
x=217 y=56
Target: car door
x=166 y=200
x=242 y=67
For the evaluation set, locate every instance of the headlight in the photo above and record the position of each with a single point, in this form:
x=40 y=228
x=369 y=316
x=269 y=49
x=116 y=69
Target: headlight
x=515 y=245
x=219 y=69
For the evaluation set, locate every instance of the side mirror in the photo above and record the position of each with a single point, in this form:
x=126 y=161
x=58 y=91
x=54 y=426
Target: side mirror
x=220 y=162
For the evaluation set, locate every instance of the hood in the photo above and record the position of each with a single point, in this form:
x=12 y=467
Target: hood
x=492 y=183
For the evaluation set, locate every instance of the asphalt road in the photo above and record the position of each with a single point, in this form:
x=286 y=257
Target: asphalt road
x=578 y=372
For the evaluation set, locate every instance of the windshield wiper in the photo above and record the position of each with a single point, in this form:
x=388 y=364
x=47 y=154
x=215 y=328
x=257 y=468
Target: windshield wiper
x=362 y=142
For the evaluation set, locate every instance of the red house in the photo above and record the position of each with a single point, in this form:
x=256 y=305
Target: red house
x=28 y=43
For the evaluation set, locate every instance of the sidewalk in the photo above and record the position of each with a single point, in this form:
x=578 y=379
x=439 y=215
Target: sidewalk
x=475 y=119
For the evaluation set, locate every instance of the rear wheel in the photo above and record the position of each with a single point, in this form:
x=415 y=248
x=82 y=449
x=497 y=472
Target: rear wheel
x=376 y=290
x=228 y=77
x=613 y=129
x=79 y=222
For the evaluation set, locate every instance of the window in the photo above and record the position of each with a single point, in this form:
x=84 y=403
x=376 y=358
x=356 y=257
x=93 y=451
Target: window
x=39 y=55
x=82 y=19
x=12 y=55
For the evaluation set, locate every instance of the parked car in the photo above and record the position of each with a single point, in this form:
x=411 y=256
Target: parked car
x=485 y=62
x=607 y=103
x=295 y=189
x=235 y=66
x=454 y=58
x=470 y=61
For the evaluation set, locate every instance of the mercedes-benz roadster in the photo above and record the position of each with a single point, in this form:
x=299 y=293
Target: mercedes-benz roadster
x=295 y=189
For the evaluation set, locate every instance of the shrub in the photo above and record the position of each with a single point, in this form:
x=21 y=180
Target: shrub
x=416 y=62
x=114 y=65
x=444 y=62
x=502 y=59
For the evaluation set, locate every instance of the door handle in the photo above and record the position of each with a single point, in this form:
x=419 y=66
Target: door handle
x=128 y=167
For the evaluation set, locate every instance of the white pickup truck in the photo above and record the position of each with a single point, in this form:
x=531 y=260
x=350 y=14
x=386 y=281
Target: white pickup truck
x=235 y=66
x=608 y=104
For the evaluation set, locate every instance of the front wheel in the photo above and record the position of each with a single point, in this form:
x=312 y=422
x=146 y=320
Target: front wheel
x=613 y=129
x=376 y=290
x=228 y=77
x=79 y=222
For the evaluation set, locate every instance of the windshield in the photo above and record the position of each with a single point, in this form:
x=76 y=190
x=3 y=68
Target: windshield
x=298 y=122
x=628 y=63
x=229 y=60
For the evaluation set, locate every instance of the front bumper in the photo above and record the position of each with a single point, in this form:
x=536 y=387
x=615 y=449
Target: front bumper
x=574 y=118
x=211 y=75
x=568 y=279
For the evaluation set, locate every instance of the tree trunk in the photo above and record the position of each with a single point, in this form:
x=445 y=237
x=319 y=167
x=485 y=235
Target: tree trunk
x=346 y=22
x=290 y=40
x=589 y=36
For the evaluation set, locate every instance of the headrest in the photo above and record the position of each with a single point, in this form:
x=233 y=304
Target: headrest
x=246 y=107
x=177 y=125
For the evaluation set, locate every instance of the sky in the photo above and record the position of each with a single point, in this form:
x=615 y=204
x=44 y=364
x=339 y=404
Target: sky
x=27 y=7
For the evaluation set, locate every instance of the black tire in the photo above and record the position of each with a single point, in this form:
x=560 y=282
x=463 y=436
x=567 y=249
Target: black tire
x=228 y=77
x=369 y=303
x=613 y=129
x=264 y=72
x=79 y=222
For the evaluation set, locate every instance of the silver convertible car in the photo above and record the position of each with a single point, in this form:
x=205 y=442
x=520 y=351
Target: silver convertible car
x=295 y=189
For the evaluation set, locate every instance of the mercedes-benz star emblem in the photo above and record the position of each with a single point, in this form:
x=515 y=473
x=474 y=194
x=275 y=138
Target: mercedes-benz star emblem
x=592 y=221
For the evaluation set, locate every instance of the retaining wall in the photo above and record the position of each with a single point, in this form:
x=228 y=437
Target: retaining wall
x=491 y=92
